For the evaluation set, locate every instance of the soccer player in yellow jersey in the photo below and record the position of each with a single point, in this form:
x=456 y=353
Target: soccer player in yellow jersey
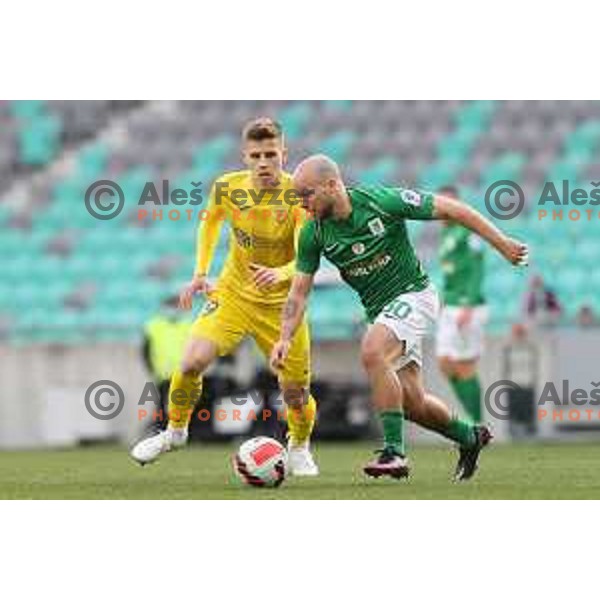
x=265 y=218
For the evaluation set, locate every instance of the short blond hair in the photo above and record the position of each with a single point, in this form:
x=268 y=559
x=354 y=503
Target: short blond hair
x=262 y=128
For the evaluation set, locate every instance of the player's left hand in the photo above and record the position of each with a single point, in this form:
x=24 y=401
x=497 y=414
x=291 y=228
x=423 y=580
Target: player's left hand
x=464 y=317
x=515 y=252
x=279 y=354
x=263 y=277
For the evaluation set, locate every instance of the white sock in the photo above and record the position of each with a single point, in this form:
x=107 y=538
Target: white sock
x=178 y=434
x=302 y=446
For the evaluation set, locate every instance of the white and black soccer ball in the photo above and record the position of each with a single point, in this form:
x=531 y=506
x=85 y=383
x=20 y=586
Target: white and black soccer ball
x=261 y=462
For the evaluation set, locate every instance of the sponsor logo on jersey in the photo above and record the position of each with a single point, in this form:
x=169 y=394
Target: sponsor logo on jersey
x=209 y=307
x=367 y=267
x=358 y=248
x=242 y=238
x=411 y=197
x=376 y=226
x=248 y=241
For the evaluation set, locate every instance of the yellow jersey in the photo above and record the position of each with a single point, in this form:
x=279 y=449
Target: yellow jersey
x=265 y=225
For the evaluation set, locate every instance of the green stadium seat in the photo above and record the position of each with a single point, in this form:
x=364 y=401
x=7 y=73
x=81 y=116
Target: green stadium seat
x=340 y=105
x=213 y=152
x=5 y=214
x=294 y=118
x=92 y=160
x=441 y=173
x=327 y=320
x=570 y=282
x=508 y=166
x=380 y=172
x=338 y=145
x=501 y=282
x=415 y=228
x=206 y=173
x=27 y=109
x=567 y=168
x=40 y=139
x=144 y=294
x=71 y=190
x=594 y=280
x=44 y=270
x=127 y=241
x=457 y=146
x=476 y=113
x=584 y=140
x=133 y=181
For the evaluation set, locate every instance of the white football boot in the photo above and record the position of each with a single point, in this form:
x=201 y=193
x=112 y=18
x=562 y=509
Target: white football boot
x=301 y=462
x=151 y=448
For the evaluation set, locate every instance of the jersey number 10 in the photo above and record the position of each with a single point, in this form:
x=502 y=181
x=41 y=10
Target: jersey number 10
x=398 y=309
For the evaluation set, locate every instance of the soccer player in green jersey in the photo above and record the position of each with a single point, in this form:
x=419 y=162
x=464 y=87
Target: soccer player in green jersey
x=459 y=340
x=361 y=230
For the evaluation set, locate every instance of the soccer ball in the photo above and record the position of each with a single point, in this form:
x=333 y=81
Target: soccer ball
x=261 y=462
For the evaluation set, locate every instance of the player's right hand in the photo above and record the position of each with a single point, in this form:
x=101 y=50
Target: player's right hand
x=279 y=354
x=198 y=285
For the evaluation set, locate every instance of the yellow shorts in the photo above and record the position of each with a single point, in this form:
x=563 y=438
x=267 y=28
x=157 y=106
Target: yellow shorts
x=226 y=319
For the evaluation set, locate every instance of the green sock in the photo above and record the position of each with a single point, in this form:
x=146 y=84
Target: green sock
x=469 y=394
x=461 y=432
x=393 y=429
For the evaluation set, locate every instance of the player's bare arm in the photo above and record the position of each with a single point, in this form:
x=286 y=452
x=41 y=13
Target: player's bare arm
x=450 y=209
x=293 y=313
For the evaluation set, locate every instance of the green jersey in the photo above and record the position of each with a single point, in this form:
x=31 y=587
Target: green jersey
x=371 y=248
x=461 y=256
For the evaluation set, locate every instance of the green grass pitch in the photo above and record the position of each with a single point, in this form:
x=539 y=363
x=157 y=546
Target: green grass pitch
x=516 y=471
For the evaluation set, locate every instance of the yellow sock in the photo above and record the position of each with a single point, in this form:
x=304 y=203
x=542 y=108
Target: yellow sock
x=184 y=392
x=301 y=422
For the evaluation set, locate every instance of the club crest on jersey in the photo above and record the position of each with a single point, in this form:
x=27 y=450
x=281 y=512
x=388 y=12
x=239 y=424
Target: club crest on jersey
x=411 y=197
x=376 y=226
x=358 y=248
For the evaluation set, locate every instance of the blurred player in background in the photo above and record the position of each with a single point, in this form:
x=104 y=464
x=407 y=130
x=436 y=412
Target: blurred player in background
x=361 y=230
x=459 y=340
x=164 y=339
x=250 y=293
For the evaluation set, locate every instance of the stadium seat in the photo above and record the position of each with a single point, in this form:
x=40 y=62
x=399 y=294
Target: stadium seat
x=380 y=172
x=475 y=114
x=341 y=105
x=213 y=152
x=441 y=173
x=27 y=109
x=92 y=160
x=458 y=145
x=39 y=140
x=506 y=167
x=338 y=146
x=584 y=140
x=294 y=119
